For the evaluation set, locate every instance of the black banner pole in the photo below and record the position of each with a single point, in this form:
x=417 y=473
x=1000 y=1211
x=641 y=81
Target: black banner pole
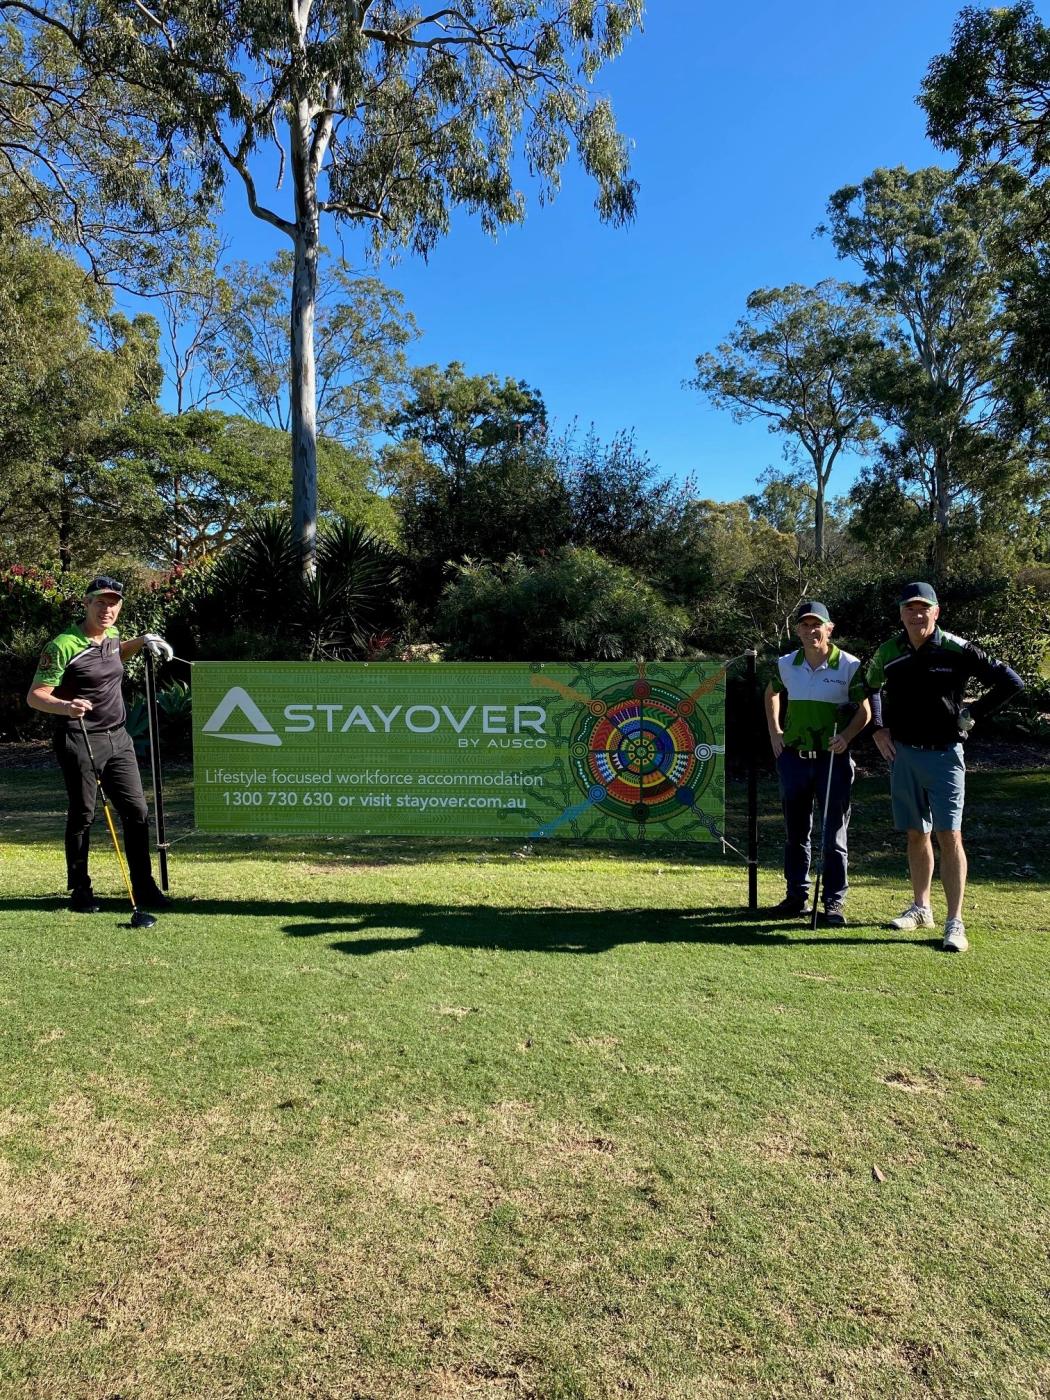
x=752 y=781
x=158 y=776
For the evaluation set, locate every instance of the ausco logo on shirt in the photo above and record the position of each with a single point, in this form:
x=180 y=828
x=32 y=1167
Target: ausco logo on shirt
x=339 y=719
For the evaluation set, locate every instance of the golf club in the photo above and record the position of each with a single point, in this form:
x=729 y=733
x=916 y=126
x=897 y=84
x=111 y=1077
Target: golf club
x=155 y=767
x=139 y=917
x=823 y=828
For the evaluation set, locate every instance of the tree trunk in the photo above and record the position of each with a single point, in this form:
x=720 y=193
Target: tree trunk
x=818 y=509
x=303 y=388
x=65 y=530
x=941 y=507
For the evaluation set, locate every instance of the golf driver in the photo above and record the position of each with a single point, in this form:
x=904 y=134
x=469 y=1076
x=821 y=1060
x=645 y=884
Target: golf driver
x=155 y=767
x=823 y=828
x=139 y=917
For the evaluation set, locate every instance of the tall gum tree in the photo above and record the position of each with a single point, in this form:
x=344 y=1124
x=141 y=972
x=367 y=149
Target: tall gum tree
x=383 y=113
x=927 y=247
x=800 y=360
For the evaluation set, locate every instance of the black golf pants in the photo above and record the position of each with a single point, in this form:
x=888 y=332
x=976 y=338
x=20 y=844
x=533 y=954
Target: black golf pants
x=115 y=755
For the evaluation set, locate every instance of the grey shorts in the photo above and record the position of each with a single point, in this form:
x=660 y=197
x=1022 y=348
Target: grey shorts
x=927 y=788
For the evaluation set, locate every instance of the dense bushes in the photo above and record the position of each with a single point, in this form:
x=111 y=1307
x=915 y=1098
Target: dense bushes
x=572 y=605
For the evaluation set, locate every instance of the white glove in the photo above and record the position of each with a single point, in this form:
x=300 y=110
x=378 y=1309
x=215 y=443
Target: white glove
x=966 y=721
x=157 y=646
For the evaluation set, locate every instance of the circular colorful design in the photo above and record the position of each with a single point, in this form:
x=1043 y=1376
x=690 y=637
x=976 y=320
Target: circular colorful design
x=642 y=751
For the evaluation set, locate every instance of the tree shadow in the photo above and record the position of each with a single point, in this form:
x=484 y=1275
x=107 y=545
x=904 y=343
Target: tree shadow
x=370 y=929
x=360 y=930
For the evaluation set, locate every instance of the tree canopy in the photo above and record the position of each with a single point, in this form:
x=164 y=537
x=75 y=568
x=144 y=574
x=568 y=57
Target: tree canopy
x=801 y=360
x=387 y=117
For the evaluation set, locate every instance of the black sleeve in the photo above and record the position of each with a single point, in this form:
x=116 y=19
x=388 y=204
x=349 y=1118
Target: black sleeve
x=1002 y=682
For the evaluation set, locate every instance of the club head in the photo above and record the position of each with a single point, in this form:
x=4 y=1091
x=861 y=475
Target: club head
x=140 y=919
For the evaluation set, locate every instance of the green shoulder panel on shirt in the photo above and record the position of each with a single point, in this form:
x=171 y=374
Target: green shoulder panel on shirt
x=889 y=651
x=950 y=642
x=57 y=655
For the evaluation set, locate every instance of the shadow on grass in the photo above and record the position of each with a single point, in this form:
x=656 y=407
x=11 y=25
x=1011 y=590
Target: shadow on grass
x=393 y=928
x=361 y=930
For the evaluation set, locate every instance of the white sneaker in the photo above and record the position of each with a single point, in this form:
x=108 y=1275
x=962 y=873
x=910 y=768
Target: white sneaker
x=955 y=940
x=915 y=916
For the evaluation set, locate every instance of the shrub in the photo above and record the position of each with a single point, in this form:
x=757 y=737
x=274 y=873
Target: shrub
x=254 y=605
x=574 y=605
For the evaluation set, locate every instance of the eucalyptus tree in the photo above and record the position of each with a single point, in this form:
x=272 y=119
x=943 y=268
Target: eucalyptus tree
x=384 y=115
x=87 y=155
x=928 y=248
x=69 y=369
x=361 y=331
x=800 y=360
x=987 y=100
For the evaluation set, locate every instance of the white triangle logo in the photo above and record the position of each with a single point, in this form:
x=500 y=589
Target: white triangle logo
x=239 y=699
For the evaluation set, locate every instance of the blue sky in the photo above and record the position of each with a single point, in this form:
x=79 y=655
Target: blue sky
x=743 y=118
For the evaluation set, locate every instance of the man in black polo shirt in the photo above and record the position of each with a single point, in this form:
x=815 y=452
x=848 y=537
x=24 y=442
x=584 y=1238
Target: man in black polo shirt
x=79 y=675
x=918 y=681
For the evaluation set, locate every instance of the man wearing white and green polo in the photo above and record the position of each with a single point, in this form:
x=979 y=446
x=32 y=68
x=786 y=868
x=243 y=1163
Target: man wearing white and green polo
x=918 y=680
x=827 y=707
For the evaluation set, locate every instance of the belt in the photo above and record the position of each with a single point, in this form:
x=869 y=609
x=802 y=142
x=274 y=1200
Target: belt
x=113 y=729
x=806 y=753
x=929 y=748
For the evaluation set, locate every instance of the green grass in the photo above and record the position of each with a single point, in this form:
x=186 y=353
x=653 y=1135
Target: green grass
x=382 y=1120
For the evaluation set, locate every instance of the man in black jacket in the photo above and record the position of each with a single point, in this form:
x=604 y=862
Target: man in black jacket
x=918 y=681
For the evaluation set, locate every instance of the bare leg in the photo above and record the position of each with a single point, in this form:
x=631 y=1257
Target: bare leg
x=920 y=865
x=953 y=870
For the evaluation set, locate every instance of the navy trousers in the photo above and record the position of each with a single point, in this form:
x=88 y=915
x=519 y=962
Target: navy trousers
x=803 y=783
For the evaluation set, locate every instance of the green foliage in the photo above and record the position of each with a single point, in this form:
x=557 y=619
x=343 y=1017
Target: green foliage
x=930 y=251
x=988 y=98
x=801 y=360
x=395 y=118
x=361 y=332
x=255 y=604
x=69 y=370
x=87 y=153
x=619 y=504
x=571 y=606
x=473 y=475
x=460 y=420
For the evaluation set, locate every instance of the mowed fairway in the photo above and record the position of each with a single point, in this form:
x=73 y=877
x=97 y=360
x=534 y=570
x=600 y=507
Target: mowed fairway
x=365 y=1120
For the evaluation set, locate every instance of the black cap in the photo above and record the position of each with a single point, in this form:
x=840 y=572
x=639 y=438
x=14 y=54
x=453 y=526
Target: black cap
x=104 y=584
x=810 y=608
x=917 y=593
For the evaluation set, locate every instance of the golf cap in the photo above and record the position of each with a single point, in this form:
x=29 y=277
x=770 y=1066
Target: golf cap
x=104 y=584
x=917 y=593
x=810 y=608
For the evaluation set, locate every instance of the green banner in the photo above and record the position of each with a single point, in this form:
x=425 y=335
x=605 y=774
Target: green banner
x=584 y=751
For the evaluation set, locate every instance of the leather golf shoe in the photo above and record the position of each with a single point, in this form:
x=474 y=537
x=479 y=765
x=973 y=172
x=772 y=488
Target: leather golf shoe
x=834 y=916
x=84 y=902
x=790 y=907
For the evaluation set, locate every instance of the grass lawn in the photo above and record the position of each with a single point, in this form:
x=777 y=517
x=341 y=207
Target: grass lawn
x=381 y=1120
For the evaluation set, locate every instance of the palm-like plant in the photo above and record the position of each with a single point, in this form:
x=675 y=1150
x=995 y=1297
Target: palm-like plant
x=259 y=592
